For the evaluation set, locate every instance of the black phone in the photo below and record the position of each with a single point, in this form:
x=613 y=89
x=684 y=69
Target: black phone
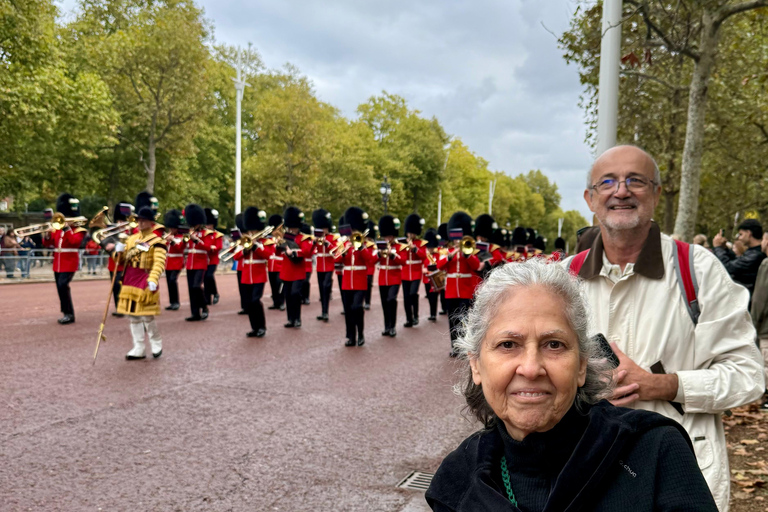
x=606 y=349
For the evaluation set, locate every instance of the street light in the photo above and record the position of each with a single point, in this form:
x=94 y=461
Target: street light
x=386 y=191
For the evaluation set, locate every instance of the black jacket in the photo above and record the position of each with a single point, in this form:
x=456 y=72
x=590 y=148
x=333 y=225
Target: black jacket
x=743 y=269
x=622 y=459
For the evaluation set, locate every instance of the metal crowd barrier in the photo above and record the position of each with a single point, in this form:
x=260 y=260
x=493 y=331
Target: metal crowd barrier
x=39 y=263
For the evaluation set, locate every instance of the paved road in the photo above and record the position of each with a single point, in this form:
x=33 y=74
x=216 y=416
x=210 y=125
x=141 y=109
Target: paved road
x=294 y=421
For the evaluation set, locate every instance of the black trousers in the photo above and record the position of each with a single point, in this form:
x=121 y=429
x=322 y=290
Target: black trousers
x=338 y=278
x=305 y=287
x=255 y=308
x=118 y=284
x=172 y=278
x=443 y=304
x=65 y=295
x=196 y=295
x=389 y=304
x=432 y=298
x=209 y=284
x=276 y=285
x=324 y=286
x=411 y=300
x=368 y=291
x=244 y=297
x=457 y=309
x=292 y=291
x=354 y=313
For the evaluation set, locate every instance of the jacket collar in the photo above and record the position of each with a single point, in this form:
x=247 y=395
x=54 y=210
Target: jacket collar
x=650 y=262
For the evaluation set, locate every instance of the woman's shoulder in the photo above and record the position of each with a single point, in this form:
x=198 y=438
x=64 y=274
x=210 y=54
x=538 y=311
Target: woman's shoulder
x=643 y=425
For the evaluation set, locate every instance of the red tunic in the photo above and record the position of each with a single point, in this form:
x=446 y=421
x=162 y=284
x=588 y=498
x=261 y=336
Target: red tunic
x=460 y=282
x=66 y=249
x=296 y=270
x=255 y=262
x=275 y=261
x=198 y=253
x=390 y=267
x=324 y=259
x=218 y=240
x=92 y=248
x=174 y=258
x=414 y=261
x=355 y=273
x=370 y=267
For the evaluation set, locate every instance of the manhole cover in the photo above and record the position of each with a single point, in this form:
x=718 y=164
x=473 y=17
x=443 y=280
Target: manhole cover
x=416 y=481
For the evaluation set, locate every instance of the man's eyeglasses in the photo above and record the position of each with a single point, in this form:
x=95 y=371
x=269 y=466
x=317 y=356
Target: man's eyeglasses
x=633 y=183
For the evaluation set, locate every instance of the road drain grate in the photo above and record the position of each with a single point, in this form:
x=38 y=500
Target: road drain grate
x=416 y=481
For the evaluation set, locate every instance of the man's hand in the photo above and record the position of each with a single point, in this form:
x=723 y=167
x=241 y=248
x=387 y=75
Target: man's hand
x=719 y=240
x=152 y=286
x=633 y=383
x=119 y=247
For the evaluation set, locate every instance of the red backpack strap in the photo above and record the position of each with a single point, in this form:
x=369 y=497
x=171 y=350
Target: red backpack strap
x=686 y=278
x=575 y=266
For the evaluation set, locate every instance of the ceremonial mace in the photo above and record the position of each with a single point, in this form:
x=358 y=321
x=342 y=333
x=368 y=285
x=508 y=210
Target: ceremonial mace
x=100 y=336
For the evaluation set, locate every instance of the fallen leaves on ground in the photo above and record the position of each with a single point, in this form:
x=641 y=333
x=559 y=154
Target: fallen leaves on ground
x=746 y=432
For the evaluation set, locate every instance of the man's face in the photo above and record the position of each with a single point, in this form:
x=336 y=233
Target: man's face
x=620 y=209
x=145 y=224
x=745 y=237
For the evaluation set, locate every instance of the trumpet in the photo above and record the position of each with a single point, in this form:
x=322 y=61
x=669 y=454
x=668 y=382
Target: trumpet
x=57 y=222
x=467 y=245
x=116 y=229
x=356 y=238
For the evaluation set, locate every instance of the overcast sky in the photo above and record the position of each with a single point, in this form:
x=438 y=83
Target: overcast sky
x=489 y=70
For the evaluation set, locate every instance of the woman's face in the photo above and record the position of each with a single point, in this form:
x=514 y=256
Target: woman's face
x=529 y=364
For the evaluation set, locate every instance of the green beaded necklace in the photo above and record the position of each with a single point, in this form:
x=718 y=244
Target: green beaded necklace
x=505 y=477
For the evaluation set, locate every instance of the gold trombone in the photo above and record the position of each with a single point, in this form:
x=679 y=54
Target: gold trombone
x=115 y=229
x=57 y=222
x=356 y=238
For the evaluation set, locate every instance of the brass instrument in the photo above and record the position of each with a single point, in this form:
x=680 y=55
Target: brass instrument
x=115 y=229
x=101 y=219
x=57 y=222
x=244 y=243
x=467 y=245
x=356 y=238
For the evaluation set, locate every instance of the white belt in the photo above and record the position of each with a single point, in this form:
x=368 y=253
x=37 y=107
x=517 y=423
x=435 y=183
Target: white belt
x=308 y=260
x=390 y=267
x=355 y=267
x=253 y=262
x=174 y=255
x=412 y=262
x=66 y=250
x=196 y=251
x=325 y=255
x=459 y=275
x=277 y=258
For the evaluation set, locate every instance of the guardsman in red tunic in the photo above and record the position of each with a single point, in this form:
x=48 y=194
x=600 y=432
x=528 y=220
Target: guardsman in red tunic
x=370 y=241
x=518 y=252
x=354 y=282
x=390 y=265
x=559 y=253
x=491 y=255
x=295 y=247
x=174 y=260
x=274 y=267
x=65 y=243
x=460 y=266
x=199 y=244
x=338 y=266
x=235 y=235
x=210 y=289
x=325 y=242
x=306 y=229
x=254 y=255
x=445 y=247
x=415 y=259
x=432 y=240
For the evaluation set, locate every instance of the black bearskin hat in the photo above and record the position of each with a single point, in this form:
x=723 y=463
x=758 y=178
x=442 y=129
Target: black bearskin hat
x=146 y=213
x=540 y=244
x=387 y=226
x=531 y=240
x=68 y=205
x=519 y=236
x=275 y=220
x=254 y=219
x=484 y=226
x=195 y=215
x=559 y=244
x=431 y=237
x=442 y=231
x=321 y=219
x=293 y=217
x=239 y=222
x=122 y=211
x=212 y=217
x=498 y=237
x=305 y=228
x=372 y=228
x=461 y=220
x=414 y=224
x=356 y=218
x=146 y=199
x=172 y=219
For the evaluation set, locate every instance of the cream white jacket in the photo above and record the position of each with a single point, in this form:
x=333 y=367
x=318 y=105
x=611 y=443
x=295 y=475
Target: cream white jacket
x=717 y=362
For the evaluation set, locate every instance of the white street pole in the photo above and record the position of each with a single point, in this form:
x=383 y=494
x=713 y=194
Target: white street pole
x=608 y=89
x=439 y=207
x=491 y=190
x=239 y=88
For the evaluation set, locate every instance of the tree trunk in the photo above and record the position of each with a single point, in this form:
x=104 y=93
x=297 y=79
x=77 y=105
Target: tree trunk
x=669 y=211
x=690 y=178
x=151 y=147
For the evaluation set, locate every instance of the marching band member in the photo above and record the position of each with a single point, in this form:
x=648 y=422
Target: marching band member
x=431 y=239
x=255 y=255
x=295 y=247
x=519 y=252
x=174 y=261
x=370 y=271
x=559 y=252
x=66 y=256
x=325 y=242
x=143 y=256
x=306 y=229
x=491 y=255
x=390 y=264
x=121 y=213
x=415 y=258
x=355 y=256
x=146 y=199
x=199 y=246
x=460 y=265
x=275 y=266
x=443 y=243
x=236 y=234
x=338 y=268
x=210 y=289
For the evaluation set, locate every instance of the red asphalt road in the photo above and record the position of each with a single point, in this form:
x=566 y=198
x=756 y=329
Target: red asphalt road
x=294 y=421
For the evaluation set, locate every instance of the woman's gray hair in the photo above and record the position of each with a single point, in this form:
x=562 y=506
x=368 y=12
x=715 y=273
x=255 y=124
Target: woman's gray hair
x=501 y=282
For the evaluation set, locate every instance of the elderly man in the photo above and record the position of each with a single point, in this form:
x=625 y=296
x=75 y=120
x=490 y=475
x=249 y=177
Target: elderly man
x=688 y=370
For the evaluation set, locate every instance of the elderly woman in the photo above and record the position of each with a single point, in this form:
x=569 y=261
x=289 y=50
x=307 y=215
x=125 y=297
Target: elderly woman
x=536 y=380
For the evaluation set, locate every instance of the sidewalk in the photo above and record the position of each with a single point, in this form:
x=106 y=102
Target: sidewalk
x=45 y=275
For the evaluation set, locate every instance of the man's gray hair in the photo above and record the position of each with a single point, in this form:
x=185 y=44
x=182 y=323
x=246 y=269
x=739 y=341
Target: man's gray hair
x=656 y=171
x=501 y=282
